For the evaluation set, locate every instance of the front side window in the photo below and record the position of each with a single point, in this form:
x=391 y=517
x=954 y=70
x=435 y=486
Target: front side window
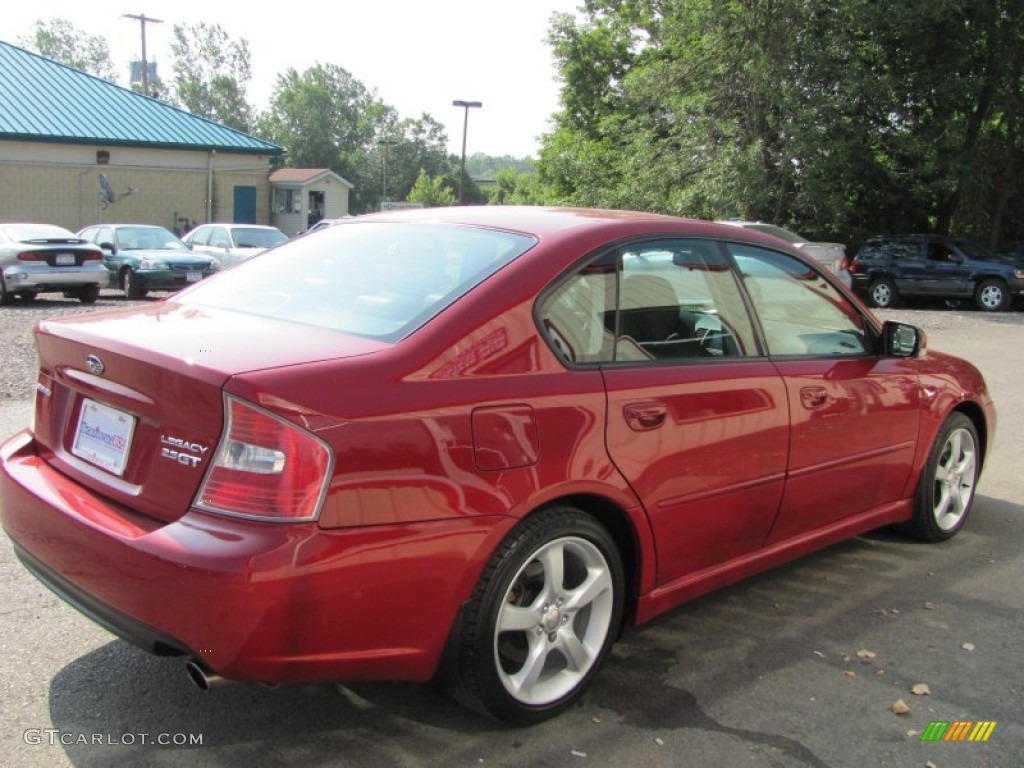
x=801 y=313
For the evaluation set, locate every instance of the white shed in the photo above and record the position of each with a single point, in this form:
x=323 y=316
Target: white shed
x=300 y=197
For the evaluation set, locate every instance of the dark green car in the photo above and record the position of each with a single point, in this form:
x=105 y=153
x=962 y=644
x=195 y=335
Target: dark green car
x=143 y=258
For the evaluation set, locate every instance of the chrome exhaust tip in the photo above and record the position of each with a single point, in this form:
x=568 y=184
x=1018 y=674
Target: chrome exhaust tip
x=202 y=679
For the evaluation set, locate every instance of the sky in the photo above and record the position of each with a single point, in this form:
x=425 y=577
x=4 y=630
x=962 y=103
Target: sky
x=418 y=55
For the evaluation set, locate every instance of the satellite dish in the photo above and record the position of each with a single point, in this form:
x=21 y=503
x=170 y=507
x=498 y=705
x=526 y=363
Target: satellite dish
x=107 y=194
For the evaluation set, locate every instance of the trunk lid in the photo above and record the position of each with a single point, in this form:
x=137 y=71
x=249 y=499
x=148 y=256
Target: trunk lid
x=130 y=404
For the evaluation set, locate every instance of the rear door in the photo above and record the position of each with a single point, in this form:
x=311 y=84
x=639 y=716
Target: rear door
x=697 y=417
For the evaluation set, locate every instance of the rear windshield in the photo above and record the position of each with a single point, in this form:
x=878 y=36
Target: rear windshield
x=382 y=280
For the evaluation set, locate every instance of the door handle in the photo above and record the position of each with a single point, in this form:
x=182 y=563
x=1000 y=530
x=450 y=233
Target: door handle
x=813 y=397
x=644 y=416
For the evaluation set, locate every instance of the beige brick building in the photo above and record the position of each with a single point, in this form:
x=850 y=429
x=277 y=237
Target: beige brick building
x=76 y=150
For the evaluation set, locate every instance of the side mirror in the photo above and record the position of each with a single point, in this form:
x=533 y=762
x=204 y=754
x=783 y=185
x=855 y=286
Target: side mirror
x=902 y=340
x=108 y=247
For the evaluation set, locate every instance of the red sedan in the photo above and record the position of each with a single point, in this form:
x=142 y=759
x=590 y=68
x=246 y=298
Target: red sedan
x=473 y=443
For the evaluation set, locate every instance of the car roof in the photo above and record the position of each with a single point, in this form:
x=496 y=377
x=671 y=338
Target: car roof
x=231 y=224
x=550 y=222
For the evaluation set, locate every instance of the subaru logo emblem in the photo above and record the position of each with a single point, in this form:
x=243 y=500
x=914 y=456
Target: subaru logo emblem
x=95 y=365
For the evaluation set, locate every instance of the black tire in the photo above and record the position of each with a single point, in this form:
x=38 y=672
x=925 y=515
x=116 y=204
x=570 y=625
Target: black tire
x=945 y=492
x=992 y=296
x=88 y=294
x=555 y=636
x=882 y=293
x=5 y=295
x=130 y=283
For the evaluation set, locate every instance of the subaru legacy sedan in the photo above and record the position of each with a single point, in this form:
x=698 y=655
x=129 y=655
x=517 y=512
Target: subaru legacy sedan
x=473 y=445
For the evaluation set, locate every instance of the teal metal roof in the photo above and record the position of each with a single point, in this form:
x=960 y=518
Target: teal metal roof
x=41 y=100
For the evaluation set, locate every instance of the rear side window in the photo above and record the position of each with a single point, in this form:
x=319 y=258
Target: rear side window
x=899 y=251
x=382 y=280
x=653 y=301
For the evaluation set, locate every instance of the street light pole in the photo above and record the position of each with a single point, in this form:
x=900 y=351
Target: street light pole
x=465 y=125
x=384 y=192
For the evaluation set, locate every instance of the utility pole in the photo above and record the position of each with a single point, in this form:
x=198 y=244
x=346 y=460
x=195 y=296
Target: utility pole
x=143 y=19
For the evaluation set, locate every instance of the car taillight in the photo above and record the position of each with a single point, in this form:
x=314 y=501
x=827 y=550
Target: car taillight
x=266 y=468
x=844 y=264
x=93 y=256
x=31 y=256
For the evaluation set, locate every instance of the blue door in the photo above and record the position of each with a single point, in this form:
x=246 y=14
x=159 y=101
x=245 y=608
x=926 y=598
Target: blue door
x=245 y=205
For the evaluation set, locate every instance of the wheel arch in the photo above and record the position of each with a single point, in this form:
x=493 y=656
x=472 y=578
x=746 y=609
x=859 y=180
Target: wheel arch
x=623 y=530
x=974 y=412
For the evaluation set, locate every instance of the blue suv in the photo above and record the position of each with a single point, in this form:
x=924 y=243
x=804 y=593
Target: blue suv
x=890 y=267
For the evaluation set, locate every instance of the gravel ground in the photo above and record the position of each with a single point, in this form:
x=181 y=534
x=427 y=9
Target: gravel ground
x=19 y=365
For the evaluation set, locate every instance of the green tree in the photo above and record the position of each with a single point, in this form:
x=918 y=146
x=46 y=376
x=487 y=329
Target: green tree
x=326 y=118
x=211 y=73
x=833 y=118
x=431 y=192
x=59 y=40
x=513 y=187
x=408 y=147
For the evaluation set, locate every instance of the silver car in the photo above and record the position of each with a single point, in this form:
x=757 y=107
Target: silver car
x=43 y=258
x=233 y=243
x=832 y=256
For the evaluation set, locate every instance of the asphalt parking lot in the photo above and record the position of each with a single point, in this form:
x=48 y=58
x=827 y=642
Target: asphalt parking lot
x=801 y=666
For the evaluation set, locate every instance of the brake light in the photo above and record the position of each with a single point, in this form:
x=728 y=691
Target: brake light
x=31 y=256
x=93 y=256
x=266 y=468
x=844 y=264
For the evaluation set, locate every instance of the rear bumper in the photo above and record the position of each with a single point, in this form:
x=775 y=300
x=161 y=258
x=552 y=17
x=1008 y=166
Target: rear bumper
x=250 y=601
x=40 y=277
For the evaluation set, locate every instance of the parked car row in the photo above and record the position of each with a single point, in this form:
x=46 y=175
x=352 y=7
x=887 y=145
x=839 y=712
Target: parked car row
x=136 y=258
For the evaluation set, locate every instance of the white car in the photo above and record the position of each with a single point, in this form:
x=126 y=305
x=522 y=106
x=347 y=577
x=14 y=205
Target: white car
x=830 y=255
x=233 y=243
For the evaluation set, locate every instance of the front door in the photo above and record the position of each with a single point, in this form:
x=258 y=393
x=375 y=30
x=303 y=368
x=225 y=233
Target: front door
x=245 y=205
x=853 y=414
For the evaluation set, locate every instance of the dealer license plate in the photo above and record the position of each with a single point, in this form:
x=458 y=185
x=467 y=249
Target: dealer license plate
x=103 y=436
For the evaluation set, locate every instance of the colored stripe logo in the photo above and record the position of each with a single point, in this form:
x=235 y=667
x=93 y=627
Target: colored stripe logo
x=958 y=730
